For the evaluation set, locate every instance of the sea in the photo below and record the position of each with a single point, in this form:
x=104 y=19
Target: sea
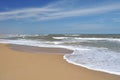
x=100 y=52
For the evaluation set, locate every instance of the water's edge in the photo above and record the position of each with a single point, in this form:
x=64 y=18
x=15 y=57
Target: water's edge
x=100 y=70
x=69 y=61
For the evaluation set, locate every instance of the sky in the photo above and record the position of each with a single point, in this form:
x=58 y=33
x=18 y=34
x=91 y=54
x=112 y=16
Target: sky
x=59 y=16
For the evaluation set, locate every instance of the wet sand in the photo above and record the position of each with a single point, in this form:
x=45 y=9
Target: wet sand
x=30 y=49
x=23 y=63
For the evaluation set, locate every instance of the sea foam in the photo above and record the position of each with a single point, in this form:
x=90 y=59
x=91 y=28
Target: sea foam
x=96 y=59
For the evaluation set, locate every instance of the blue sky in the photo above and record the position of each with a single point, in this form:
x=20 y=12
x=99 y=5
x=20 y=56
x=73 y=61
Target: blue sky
x=60 y=16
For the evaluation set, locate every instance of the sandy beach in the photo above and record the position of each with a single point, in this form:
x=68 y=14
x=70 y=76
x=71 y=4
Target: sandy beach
x=28 y=63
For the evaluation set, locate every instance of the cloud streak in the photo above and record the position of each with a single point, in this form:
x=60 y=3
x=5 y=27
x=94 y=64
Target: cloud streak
x=53 y=11
x=25 y=13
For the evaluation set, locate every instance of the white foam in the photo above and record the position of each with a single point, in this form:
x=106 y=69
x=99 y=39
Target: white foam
x=36 y=43
x=99 y=60
x=54 y=42
x=98 y=39
x=60 y=37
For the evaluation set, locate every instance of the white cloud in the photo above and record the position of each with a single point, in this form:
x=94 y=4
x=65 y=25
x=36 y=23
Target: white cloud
x=57 y=10
x=81 y=12
x=25 y=13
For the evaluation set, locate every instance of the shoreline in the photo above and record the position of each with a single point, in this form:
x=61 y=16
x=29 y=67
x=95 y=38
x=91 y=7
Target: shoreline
x=48 y=50
x=23 y=65
x=100 y=70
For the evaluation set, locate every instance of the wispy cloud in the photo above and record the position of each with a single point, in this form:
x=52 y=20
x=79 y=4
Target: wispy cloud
x=57 y=10
x=82 y=12
x=25 y=13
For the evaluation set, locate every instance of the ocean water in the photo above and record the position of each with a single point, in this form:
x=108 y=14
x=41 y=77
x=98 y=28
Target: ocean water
x=99 y=52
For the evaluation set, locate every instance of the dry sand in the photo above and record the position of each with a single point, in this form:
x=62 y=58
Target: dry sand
x=23 y=65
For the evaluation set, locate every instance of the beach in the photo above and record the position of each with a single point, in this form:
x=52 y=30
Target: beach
x=30 y=63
